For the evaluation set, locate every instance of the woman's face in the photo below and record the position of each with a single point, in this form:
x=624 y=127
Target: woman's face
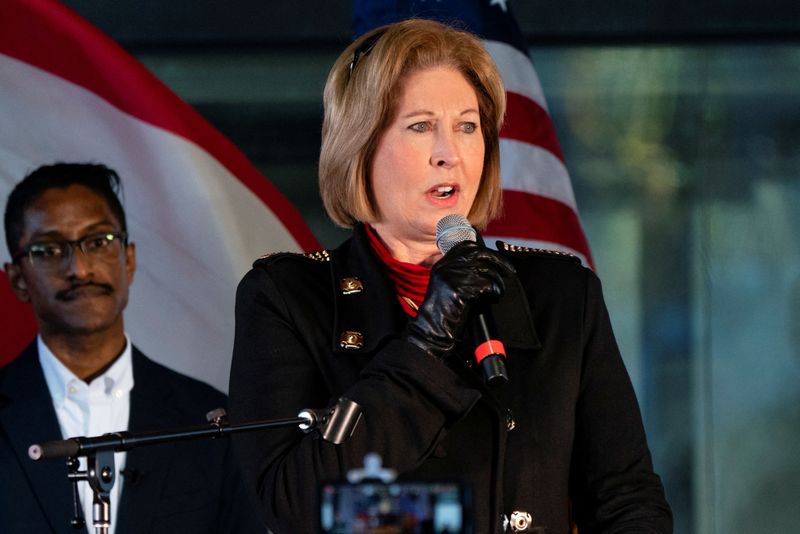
x=429 y=161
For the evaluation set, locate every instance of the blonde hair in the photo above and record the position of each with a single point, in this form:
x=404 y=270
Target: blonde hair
x=361 y=93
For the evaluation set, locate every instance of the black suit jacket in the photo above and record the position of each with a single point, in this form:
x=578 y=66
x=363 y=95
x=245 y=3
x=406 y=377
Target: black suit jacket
x=190 y=486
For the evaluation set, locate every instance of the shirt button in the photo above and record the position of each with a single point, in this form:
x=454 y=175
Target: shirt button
x=72 y=389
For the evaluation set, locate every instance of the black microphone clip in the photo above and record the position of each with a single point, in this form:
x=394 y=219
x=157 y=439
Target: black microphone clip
x=334 y=424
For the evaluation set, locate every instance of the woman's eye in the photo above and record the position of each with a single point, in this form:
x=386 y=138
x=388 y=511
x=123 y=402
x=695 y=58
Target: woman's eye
x=420 y=127
x=469 y=127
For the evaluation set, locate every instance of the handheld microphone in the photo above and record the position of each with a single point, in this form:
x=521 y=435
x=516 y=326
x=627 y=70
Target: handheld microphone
x=489 y=351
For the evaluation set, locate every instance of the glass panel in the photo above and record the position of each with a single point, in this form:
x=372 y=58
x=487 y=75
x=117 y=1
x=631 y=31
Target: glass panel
x=685 y=163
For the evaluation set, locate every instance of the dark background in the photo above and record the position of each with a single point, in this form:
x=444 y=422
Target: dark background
x=138 y=24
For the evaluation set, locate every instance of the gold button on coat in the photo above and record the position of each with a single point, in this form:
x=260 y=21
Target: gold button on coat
x=350 y=285
x=351 y=340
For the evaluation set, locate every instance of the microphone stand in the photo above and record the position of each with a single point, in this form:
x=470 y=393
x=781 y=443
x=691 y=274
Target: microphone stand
x=334 y=424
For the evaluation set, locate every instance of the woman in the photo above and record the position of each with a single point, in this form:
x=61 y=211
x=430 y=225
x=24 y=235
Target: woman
x=412 y=117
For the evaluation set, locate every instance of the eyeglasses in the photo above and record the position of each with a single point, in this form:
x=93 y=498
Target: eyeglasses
x=363 y=50
x=55 y=255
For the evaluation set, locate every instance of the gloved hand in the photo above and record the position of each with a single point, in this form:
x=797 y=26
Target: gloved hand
x=468 y=275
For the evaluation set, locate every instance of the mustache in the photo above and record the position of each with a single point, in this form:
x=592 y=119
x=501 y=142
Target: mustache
x=72 y=291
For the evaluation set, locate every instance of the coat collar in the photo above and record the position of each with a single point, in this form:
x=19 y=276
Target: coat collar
x=26 y=417
x=366 y=314
x=146 y=467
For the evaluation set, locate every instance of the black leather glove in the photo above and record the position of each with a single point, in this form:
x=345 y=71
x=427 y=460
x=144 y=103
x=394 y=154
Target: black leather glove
x=468 y=275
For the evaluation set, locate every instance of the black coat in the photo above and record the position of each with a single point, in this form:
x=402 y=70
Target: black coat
x=186 y=487
x=577 y=435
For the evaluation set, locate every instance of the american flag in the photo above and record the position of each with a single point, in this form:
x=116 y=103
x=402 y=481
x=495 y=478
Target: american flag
x=198 y=210
x=540 y=208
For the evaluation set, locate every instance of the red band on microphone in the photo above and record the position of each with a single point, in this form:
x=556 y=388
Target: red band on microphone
x=487 y=348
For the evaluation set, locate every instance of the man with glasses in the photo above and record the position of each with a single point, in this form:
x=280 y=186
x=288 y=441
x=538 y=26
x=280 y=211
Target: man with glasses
x=71 y=259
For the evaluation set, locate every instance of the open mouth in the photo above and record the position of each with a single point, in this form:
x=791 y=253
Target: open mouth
x=443 y=191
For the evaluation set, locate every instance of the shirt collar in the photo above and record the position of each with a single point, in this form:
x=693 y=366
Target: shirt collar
x=117 y=379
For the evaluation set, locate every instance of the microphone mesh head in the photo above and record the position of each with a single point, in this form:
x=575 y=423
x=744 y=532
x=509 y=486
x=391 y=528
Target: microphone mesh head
x=453 y=229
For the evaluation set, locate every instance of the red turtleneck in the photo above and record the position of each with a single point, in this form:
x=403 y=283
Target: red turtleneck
x=410 y=280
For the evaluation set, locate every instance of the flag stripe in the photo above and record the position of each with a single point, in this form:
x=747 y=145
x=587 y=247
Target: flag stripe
x=84 y=50
x=546 y=220
x=527 y=121
x=175 y=173
x=517 y=71
x=534 y=170
x=539 y=203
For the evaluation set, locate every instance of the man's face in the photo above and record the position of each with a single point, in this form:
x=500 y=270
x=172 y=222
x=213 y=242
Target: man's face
x=86 y=294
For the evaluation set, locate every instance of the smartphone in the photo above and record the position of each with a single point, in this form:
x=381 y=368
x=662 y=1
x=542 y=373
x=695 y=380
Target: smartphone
x=397 y=507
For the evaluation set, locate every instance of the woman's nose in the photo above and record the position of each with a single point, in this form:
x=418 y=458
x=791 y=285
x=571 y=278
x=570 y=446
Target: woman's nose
x=445 y=150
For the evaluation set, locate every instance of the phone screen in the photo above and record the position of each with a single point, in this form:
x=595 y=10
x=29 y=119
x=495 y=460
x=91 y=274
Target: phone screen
x=401 y=507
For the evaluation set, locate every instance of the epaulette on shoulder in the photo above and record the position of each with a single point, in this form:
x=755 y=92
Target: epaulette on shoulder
x=319 y=255
x=517 y=249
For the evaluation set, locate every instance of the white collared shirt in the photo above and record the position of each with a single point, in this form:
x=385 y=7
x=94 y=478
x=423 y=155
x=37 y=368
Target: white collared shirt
x=91 y=410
